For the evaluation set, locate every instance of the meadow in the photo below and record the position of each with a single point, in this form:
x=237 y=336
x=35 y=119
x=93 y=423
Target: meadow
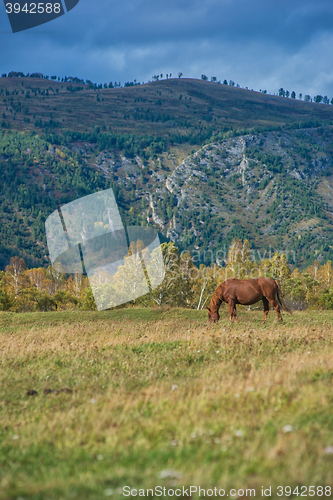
x=94 y=401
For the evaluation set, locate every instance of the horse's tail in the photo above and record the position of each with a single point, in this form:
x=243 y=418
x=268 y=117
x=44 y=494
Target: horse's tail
x=280 y=298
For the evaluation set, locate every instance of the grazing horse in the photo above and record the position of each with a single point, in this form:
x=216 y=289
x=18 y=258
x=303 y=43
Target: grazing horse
x=246 y=292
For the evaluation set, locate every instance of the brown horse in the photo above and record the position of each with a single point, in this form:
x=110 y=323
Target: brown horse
x=246 y=292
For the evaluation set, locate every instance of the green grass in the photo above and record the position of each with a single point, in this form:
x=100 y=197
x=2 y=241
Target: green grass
x=150 y=389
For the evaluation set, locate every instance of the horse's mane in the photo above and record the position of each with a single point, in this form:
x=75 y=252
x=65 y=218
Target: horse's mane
x=216 y=299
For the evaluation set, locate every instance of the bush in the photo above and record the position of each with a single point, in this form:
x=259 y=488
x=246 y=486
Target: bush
x=88 y=301
x=326 y=299
x=5 y=301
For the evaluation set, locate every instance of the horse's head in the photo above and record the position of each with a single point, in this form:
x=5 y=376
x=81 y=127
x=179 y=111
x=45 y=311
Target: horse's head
x=213 y=316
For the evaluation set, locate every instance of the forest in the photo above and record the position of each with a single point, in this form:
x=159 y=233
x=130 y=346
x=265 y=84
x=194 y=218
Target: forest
x=185 y=283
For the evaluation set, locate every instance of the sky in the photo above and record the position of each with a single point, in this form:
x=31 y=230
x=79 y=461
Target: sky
x=259 y=44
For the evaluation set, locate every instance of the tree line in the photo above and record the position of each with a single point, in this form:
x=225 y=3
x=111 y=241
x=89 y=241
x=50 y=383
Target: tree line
x=70 y=79
x=185 y=284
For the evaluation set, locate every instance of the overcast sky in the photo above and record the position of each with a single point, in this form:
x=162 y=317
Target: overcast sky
x=260 y=44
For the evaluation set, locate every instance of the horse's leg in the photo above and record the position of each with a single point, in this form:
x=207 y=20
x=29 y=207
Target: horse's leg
x=231 y=310
x=277 y=308
x=266 y=309
x=235 y=314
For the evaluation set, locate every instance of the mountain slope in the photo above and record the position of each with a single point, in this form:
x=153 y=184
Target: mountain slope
x=274 y=187
x=161 y=108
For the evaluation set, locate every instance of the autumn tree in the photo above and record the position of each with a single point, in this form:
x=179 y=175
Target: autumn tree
x=5 y=299
x=325 y=275
x=240 y=262
x=186 y=271
x=130 y=280
x=276 y=267
x=76 y=283
x=37 y=277
x=207 y=279
x=55 y=280
x=167 y=292
x=15 y=277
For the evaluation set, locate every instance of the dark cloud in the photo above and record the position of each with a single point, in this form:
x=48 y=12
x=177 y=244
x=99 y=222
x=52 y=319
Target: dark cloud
x=259 y=43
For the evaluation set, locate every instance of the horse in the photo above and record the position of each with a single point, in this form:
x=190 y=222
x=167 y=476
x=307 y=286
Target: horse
x=246 y=292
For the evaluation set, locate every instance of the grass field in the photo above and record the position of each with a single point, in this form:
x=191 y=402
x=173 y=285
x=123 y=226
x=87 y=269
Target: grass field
x=146 y=391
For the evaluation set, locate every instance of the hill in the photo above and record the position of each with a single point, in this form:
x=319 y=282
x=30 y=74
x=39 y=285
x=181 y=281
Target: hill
x=201 y=161
x=159 y=108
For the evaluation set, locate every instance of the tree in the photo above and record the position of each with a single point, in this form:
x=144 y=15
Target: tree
x=14 y=275
x=180 y=75
x=54 y=280
x=282 y=92
x=279 y=268
x=37 y=277
x=240 y=263
x=167 y=292
x=293 y=95
x=130 y=280
x=204 y=77
x=76 y=284
x=35 y=300
x=325 y=275
x=326 y=299
x=188 y=273
x=204 y=285
x=295 y=290
x=88 y=301
x=310 y=285
x=63 y=300
x=5 y=298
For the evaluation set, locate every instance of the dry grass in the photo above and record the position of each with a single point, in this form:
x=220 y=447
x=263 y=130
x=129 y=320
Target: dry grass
x=188 y=102
x=154 y=390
